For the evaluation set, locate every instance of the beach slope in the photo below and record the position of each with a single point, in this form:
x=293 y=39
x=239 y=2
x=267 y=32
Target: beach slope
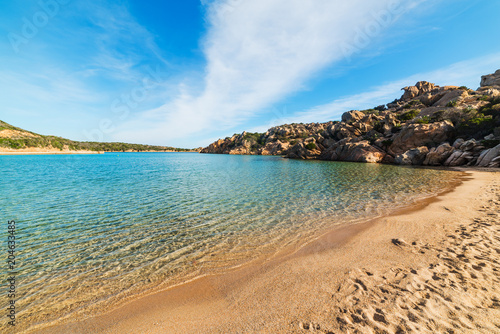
x=434 y=268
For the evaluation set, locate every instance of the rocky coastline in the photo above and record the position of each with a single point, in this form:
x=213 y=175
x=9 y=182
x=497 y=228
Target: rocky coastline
x=429 y=125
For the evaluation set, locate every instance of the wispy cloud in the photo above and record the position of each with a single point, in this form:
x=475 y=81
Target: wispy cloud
x=259 y=52
x=465 y=73
x=86 y=56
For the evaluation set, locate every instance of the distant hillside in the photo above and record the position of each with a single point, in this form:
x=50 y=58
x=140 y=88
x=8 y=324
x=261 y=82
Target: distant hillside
x=428 y=125
x=14 y=138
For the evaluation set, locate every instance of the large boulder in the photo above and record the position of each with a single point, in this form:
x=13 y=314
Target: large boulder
x=451 y=96
x=470 y=145
x=389 y=122
x=216 y=147
x=362 y=126
x=488 y=90
x=360 y=151
x=415 y=156
x=420 y=88
x=429 y=99
x=458 y=143
x=342 y=130
x=302 y=151
x=438 y=155
x=416 y=135
x=489 y=156
x=458 y=158
x=352 y=116
x=275 y=148
x=491 y=79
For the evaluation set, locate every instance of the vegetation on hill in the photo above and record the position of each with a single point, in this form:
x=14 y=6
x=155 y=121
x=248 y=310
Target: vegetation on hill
x=12 y=137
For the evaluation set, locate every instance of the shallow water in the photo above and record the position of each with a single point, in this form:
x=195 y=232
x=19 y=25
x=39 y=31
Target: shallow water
x=95 y=229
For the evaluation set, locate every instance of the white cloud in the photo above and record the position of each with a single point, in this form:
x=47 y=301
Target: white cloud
x=259 y=52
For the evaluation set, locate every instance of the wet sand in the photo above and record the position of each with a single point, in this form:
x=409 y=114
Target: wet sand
x=431 y=269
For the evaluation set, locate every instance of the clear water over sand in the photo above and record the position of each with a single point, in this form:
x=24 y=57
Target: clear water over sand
x=96 y=229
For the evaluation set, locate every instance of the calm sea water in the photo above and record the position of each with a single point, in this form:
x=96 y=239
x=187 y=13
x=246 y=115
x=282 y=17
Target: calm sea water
x=95 y=229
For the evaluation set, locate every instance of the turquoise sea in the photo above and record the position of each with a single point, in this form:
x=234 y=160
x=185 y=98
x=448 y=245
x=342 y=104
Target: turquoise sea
x=93 y=230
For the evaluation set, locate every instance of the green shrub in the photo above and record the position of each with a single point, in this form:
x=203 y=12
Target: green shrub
x=396 y=128
x=412 y=104
x=452 y=104
x=495 y=100
x=252 y=136
x=490 y=143
x=255 y=147
x=409 y=115
x=256 y=139
x=423 y=120
x=57 y=144
x=11 y=143
x=373 y=138
x=484 y=98
x=311 y=146
x=371 y=111
x=481 y=119
x=378 y=126
x=468 y=109
x=438 y=116
x=304 y=135
x=477 y=127
x=387 y=142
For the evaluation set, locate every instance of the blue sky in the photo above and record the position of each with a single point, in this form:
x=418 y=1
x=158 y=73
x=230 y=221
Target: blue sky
x=184 y=73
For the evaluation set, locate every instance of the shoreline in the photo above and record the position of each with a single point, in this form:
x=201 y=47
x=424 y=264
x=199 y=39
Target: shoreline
x=220 y=297
x=47 y=152
x=80 y=152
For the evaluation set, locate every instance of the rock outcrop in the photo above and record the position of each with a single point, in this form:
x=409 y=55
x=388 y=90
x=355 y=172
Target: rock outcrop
x=415 y=156
x=420 y=88
x=352 y=116
x=490 y=157
x=416 y=135
x=438 y=155
x=416 y=129
x=346 y=150
x=491 y=79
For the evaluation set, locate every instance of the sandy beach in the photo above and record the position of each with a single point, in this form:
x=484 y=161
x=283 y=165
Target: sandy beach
x=41 y=151
x=431 y=269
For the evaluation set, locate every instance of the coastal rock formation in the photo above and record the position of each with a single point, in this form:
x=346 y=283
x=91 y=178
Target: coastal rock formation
x=451 y=96
x=491 y=79
x=304 y=151
x=458 y=158
x=490 y=157
x=275 y=148
x=352 y=116
x=438 y=155
x=415 y=156
x=420 y=88
x=361 y=151
x=416 y=129
x=415 y=135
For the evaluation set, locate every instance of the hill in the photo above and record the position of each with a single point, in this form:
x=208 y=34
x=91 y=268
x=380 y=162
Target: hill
x=428 y=125
x=14 y=139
